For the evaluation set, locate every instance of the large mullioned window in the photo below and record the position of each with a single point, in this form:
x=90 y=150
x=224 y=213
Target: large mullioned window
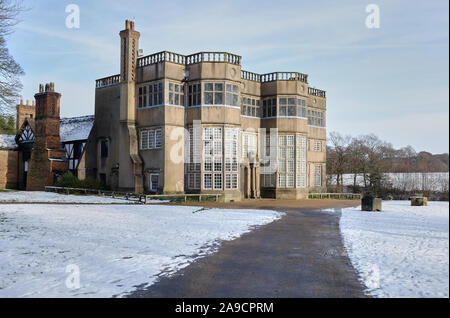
x=301 y=156
x=250 y=107
x=317 y=175
x=220 y=94
x=317 y=146
x=286 y=161
x=213 y=158
x=151 y=139
x=292 y=107
x=151 y=95
x=194 y=95
x=220 y=158
x=316 y=118
x=231 y=158
x=292 y=150
x=269 y=108
x=249 y=145
x=176 y=94
x=193 y=167
x=213 y=94
x=232 y=95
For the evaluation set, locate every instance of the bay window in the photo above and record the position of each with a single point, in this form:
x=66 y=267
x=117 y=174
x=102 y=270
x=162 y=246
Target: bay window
x=221 y=94
x=194 y=95
x=291 y=161
x=213 y=158
x=176 y=94
x=151 y=95
x=231 y=158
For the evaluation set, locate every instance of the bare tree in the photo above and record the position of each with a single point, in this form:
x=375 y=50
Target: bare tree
x=337 y=157
x=356 y=157
x=10 y=70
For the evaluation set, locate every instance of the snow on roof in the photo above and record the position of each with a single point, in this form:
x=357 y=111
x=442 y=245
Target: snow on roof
x=8 y=142
x=77 y=128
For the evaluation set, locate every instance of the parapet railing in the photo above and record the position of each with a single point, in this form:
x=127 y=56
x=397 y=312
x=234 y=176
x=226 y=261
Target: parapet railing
x=214 y=57
x=137 y=198
x=276 y=76
x=165 y=56
x=284 y=76
x=160 y=57
x=339 y=196
x=107 y=81
x=317 y=92
x=250 y=76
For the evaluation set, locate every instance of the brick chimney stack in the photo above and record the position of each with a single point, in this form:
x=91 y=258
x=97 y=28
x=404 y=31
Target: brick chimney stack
x=48 y=158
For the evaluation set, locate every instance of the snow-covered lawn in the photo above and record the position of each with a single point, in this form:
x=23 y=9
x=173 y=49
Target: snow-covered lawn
x=115 y=247
x=402 y=251
x=50 y=197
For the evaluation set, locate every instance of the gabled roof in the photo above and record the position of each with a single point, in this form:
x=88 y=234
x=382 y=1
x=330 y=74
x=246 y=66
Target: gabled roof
x=8 y=142
x=76 y=129
x=71 y=129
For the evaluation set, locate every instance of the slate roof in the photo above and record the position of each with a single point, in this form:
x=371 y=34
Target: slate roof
x=75 y=129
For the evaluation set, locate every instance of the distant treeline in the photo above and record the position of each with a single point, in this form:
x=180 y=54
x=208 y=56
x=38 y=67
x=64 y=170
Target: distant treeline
x=422 y=162
x=371 y=159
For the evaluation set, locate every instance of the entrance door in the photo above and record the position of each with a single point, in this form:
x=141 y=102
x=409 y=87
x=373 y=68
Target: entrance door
x=154 y=182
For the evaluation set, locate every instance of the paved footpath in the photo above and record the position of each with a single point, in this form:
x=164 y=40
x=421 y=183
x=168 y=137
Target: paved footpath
x=301 y=255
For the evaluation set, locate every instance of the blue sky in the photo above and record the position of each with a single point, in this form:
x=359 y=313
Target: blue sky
x=391 y=81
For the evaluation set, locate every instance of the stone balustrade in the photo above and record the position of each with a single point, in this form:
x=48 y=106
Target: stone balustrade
x=250 y=76
x=277 y=76
x=284 y=76
x=317 y=92
x=107 y=81
x=160 y=57
x=215 y=57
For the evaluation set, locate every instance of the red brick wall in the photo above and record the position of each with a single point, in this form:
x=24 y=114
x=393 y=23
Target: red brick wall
x=9 y=169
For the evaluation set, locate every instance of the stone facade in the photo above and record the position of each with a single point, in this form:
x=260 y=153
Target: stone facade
x=171 y=123
x=147 y=117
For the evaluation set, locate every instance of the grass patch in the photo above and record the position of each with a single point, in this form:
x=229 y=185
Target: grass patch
x=6 y=190
x=68 y=180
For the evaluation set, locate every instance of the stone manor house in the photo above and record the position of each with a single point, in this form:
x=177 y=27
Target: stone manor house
x=171 y=123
